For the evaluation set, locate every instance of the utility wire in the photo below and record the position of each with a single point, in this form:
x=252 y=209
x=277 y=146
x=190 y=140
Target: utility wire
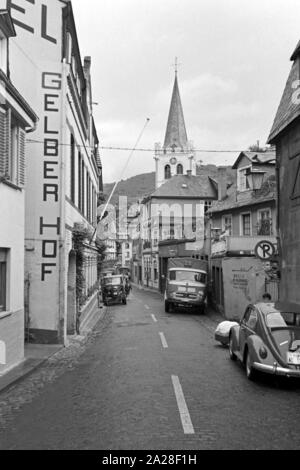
x=152 y=150
x=121 y=175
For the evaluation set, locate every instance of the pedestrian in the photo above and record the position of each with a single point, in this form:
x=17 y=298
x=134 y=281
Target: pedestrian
x=267 y=297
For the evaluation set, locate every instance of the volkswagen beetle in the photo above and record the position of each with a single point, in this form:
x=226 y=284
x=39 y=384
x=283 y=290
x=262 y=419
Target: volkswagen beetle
x=267 y=339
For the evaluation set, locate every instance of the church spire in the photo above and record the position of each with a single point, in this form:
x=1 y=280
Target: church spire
x=176 y=136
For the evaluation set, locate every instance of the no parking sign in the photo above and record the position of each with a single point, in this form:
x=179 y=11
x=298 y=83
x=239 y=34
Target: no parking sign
x=265 y=250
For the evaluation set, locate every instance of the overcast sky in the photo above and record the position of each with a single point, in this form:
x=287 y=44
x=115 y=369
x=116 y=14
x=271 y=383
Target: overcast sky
x=234 y=57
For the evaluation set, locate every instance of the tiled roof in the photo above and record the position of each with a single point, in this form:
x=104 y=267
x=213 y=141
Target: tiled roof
x=288 y=110
x=256 y=157
x=231 y=201
x=189 y=187
x=176 y=131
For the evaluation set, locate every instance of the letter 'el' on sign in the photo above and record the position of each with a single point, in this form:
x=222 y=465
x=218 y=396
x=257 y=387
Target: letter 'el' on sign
x=2 y=353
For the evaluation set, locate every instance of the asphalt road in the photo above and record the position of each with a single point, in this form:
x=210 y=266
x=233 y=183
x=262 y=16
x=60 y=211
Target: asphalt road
x=150 y=380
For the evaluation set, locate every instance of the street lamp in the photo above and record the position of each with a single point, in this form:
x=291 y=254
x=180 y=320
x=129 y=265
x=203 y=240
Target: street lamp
x=255 y=178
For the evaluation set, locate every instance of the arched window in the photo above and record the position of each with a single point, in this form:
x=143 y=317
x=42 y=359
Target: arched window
x=179 y=169
x=167 y=172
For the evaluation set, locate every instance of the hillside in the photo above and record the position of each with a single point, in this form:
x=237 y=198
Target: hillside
x=134 y=188
x=139 y=186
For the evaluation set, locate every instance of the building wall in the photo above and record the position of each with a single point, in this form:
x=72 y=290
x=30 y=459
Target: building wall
x=236 y=217
x=288 y=155
x=50 y=211
x=237 y=282
x=12 y=239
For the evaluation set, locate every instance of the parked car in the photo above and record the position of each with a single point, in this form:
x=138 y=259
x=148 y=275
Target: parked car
x=114 y=289
x=267 y=339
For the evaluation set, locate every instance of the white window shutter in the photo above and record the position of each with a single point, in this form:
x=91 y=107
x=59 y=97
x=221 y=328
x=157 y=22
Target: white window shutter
x=21 y=155
x=3 y=143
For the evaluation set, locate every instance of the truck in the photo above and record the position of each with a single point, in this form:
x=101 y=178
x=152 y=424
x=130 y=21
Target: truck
x=186 y=284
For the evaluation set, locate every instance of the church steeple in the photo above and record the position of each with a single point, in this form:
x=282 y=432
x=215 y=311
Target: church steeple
x=176 y=136
x=176 y=156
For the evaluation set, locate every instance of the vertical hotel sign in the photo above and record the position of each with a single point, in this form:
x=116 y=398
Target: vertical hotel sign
x=38 y=47
x=50 y=228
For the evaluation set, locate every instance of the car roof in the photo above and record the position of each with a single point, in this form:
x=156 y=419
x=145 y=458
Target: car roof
x=271 y=307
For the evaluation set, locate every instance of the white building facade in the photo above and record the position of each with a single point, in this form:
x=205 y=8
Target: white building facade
x=16 y=118
x=63 y=175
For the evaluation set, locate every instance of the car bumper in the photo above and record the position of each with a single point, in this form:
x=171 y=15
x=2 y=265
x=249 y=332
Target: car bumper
x=276 y=370
x=186 y=302
x=224 y=339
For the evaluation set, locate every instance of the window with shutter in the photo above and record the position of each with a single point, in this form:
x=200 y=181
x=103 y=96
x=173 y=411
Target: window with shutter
x=3 y=279
x=3 y=143
x=21 y=157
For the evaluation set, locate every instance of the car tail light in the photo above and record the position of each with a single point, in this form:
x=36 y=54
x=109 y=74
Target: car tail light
x=263 y=352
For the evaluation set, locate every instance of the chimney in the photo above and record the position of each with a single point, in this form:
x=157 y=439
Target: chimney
x=189 y=173
x=87 y=65
x=222 y=183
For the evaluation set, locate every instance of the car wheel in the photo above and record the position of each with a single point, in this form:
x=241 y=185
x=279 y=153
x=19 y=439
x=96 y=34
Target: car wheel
x=230 y=346
x=250 y=371
x=167 y=306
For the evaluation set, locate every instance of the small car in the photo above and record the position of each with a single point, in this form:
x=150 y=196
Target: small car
x=113 y=289
x=267 y=339
x=222 y=331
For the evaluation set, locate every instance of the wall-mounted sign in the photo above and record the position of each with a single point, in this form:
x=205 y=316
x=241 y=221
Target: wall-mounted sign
x=265 y=250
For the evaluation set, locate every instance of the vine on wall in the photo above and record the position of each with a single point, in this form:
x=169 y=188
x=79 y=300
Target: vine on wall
x=81 y=238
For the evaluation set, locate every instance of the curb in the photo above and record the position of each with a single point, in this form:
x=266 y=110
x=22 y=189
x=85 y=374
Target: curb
x=30 y=365
x=28 y=370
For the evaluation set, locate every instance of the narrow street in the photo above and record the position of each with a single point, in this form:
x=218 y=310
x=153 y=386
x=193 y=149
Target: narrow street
x=151 y=380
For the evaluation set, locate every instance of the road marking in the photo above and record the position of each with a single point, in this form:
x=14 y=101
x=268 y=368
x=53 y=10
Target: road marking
x=147 y=307
x=154 y=318
x=163 y=340
x=186 y=421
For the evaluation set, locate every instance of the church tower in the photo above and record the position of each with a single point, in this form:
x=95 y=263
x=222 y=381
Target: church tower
x=176 y=157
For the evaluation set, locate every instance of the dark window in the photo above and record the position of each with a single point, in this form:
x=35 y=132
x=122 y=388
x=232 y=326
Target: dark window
x=83 y=208
x=3 y=274
x=167 y=172
x=88 y=188
x=72 y=170
x=247 y=316
x=179 y=169
x=246 y=224
x=79 y=182
x=252 y=320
